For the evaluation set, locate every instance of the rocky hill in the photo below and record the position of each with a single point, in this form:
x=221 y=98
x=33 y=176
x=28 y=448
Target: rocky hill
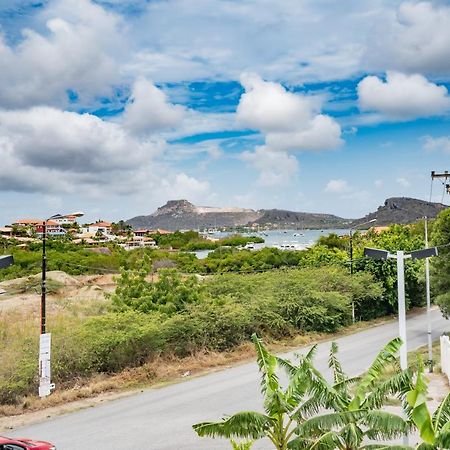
x=402 y=210
x=283 y=218
x=183 y=215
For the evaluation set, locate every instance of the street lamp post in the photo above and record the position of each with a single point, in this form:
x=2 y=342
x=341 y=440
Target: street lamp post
x=400 y=256
x=427 y=283
x=45 y=386
x=351 y=256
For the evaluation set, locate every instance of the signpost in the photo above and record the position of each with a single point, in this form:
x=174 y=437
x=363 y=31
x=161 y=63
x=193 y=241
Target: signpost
x=45 y=384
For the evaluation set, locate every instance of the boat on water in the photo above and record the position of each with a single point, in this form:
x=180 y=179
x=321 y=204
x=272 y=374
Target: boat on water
x=293 y=246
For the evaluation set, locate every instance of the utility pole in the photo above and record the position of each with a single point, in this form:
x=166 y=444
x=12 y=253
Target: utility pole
x=445 y=175
x=400 y=256
x=427 y=282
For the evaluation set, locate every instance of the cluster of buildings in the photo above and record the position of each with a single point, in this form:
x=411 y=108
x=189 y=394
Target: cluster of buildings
x=98 y=232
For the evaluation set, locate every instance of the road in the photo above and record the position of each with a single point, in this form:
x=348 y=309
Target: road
x=161 y=419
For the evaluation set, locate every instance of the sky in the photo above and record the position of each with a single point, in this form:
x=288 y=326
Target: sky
x=114 y=107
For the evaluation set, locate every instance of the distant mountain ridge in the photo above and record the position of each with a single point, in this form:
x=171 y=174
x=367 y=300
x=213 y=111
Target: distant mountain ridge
x=183 y=215
x=402 y=210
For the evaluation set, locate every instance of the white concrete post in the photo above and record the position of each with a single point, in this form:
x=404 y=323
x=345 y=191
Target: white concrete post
x=402 y=309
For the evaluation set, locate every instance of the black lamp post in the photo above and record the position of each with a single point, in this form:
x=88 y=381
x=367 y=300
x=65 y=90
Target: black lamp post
x=44 y=268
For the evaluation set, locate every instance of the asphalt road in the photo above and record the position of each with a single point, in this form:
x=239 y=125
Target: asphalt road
x=161 y=419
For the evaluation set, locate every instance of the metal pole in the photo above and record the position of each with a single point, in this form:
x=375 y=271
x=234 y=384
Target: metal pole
x=402 y=309
x=427 y=280
x=402 y=319
x=351 y=271
x=43 y=282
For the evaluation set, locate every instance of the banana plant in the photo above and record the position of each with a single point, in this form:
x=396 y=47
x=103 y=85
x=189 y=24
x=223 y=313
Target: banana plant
x=281 y=406
x=434 y=429
x=244 y=445
x=348 y=410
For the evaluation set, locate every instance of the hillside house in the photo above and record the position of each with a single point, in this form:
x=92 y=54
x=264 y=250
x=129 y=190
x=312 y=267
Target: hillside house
x=37 y=226
x=98 y=227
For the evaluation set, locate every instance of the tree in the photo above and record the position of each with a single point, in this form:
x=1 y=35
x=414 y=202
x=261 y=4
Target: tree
x=441 y=266
x=434 y=429
x=282 y=407
x=353 y=405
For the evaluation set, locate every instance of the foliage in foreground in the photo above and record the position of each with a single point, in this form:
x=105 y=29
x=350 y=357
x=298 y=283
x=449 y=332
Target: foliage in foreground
x=294 y=417
x=434 y=429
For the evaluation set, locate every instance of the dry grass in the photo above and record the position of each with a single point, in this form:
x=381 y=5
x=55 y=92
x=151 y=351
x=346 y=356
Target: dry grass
x=159 y=371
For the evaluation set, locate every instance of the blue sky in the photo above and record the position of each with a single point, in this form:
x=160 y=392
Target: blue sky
x=114 y=107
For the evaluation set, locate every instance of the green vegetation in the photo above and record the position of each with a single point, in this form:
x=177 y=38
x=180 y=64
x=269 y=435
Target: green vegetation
x=178 y=315
x=61 y=255
x=434 y=429
x=310 y=413
x=441 y=266
x=169 y=303
x=191 y=240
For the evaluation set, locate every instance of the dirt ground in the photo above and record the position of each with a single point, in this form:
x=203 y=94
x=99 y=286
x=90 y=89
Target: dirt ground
x=23 y=294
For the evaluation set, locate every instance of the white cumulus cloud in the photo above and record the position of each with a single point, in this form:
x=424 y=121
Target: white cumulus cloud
x=289 y=121
x=403 y=96
x=414 y=38
x=338 y=186
x=78 y=51
x=148 y=109
x=275 y=168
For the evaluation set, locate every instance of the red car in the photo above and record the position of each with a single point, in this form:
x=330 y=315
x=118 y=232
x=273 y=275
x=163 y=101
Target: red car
x=24 y=444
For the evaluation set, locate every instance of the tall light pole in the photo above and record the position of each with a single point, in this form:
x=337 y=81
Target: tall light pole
x=400 y=256
x=45 y=386
x=427 y=283
x=351 y=256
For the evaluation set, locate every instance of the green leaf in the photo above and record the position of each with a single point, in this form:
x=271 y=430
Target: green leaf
x=385 y=358
x=441 y=416
x=246 y=424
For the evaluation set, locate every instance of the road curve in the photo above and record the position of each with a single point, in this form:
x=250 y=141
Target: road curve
x=161 y=419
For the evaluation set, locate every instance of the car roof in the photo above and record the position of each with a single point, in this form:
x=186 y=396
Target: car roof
x=23 y=441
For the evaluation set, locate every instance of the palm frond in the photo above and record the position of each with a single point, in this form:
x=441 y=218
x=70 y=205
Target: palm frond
x=334 y=364
x=328 y=422
x=385 y=358
x=418 y=410
x=443 y=440
x=274 y=399
x=246 y=424
x=399 y=384
x=326 y=441
x=287 y=365
x=441 y=416
x=383 y=425
x=267 y=364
